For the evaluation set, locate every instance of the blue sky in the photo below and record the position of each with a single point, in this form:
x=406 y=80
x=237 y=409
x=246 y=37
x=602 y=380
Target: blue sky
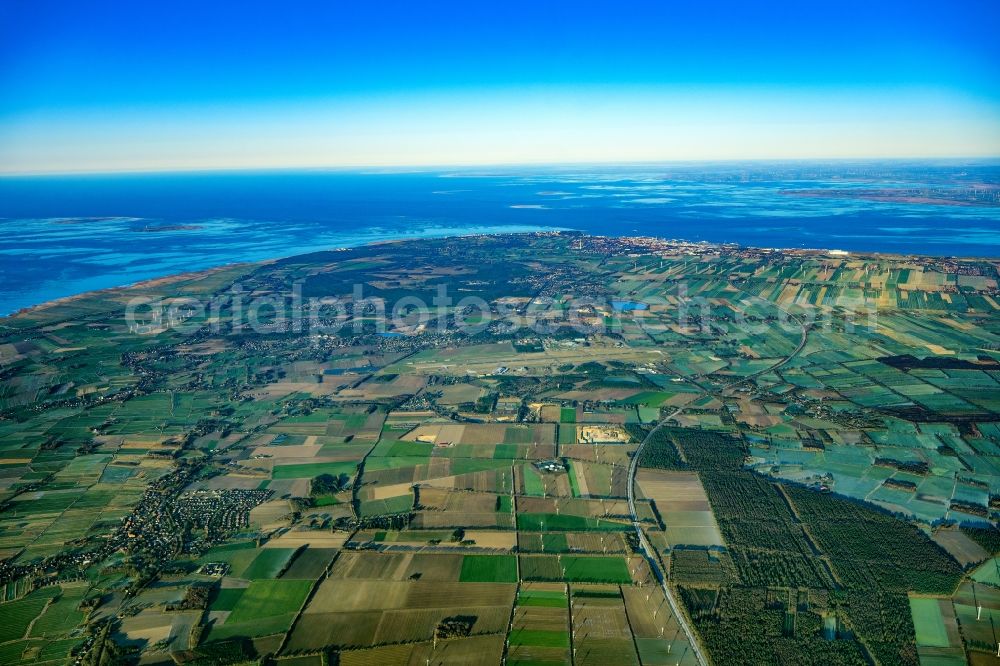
x=132 y=85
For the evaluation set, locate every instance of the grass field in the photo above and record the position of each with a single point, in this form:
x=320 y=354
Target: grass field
x=312 y=470
x=269 y=598
x=540 y=638
x=650 y=398
x=225 y=599
x=541 y=522
x=489 y=569
x=574 y=484
x=268 y=563
x=61 y=616
x=988 y=572
x=262 y=626
x=595 y=569
x=532 y=481
x=928 y=622
x=309 y=564
x=506 y=452
x=544 y=542
x=17 y=615
x=238 y=554
x=542 y=598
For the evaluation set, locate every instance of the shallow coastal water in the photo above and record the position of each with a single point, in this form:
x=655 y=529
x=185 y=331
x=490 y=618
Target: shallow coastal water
x=68 y=234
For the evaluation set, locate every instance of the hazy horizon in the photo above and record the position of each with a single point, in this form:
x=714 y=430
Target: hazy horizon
x=115 y=86
x=430 y=168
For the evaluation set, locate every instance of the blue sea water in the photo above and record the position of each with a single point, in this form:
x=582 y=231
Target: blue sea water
x=63 y=235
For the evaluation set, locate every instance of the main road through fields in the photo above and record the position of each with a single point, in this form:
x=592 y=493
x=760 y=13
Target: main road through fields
x=647 y=548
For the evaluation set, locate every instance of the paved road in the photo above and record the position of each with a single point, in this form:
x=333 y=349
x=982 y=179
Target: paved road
x=804 y=338
x=650 y=554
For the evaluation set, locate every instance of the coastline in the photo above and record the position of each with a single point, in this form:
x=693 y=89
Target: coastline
x=348 y=244
x=204 y=272
x=140 y=284
x=74 y=235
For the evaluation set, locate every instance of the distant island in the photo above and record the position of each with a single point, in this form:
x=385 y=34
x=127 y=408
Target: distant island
x=981 y=196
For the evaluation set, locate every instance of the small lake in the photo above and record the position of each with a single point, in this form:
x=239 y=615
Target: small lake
x=628 y=306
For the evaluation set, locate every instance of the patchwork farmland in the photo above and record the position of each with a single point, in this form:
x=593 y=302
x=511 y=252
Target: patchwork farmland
x=422 y=496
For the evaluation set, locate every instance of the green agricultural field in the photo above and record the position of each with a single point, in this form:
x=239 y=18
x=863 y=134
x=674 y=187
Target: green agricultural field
x=312 y=470
x=648 y=398
x=269 y=598
x=57 y=650
x=489 y=569
x=795 y=509
x=237 y=555
x=226 y=599
x=988 y=572
x=545 y=542
x=597 y=569
x=533 y=485
x=472 y=465
x=928 y=622
x=542 y=598
x=541 y=522
x=18 y=615
x=391 y=505
x=61 y=616
x=506 y=451
x=540 y=638
x=268 y=563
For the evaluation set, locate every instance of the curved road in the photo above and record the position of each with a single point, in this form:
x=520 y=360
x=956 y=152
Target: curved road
x=647 y=549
